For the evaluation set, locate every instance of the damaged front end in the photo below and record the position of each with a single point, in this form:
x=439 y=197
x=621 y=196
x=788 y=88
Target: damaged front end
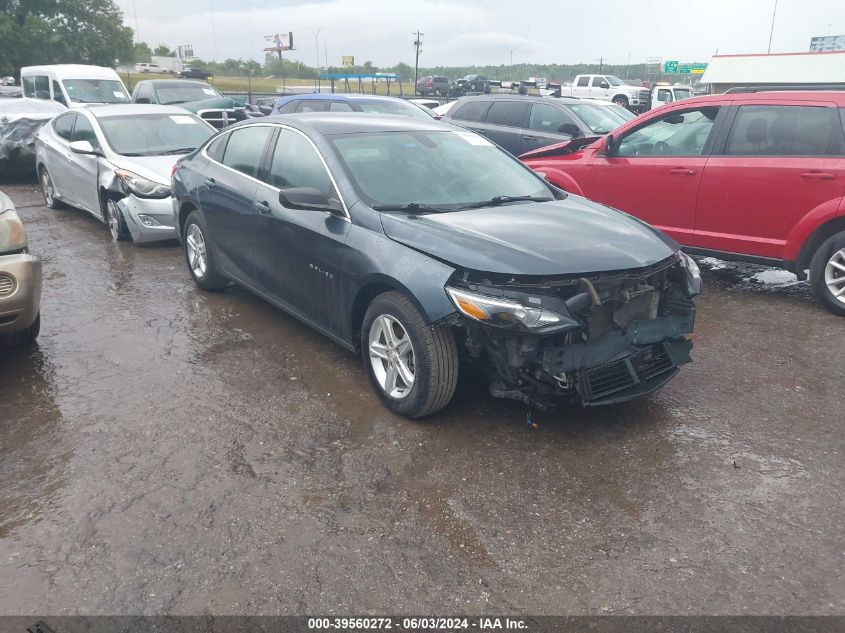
x=596 y=339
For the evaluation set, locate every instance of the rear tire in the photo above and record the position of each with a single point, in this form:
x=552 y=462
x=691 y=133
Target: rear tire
x=199 y=255
x=395 y=338
x=827 y=273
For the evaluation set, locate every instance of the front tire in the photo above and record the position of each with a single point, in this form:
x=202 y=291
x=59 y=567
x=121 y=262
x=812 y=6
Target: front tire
x=198 y=255
x=827 y=273
x=621 y=100
x=48 y=190
x=413 y=366
x=117 y=224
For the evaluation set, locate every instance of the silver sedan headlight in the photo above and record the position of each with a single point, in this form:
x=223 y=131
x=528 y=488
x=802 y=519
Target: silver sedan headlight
x=504 y=312
x=693 y=273
x=141 y=186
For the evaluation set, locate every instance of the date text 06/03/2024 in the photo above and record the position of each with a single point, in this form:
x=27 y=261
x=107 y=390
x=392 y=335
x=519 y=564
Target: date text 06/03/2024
x=417 y=623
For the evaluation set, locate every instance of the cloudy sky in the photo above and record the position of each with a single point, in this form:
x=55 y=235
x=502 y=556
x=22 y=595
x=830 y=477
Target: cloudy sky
x=458 y=32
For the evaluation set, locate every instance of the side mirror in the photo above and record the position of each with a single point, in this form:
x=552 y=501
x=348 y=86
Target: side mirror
x=82 y=147
x=570 y=129
x=604 y=85
x=609 y=145
x=309 y=199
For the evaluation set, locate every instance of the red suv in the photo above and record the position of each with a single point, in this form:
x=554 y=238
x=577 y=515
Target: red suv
x=756 y=176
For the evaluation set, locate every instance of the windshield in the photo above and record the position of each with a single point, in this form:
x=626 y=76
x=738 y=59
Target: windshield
x=600 y=120
x=614 y=80
x=618 y=110
x=397 y=107
x=682 y=93
x=183 y=93
x=96 y=91
x=155 y=134
x=442 y=169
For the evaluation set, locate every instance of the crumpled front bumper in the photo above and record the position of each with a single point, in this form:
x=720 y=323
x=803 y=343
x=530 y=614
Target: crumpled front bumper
x=158 y=210
x=19 y=307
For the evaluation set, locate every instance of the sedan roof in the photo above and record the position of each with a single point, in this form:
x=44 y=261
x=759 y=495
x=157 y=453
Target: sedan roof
x=104 y=111
x=330 y=123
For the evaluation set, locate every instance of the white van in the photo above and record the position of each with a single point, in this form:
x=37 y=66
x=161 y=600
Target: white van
x=73 y=85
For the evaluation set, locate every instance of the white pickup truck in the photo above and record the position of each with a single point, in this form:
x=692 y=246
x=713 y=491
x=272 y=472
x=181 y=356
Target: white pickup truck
x=661 y=95
x=608 y=88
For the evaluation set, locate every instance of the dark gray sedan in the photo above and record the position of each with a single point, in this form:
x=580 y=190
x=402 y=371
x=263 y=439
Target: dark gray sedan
x=418 y=243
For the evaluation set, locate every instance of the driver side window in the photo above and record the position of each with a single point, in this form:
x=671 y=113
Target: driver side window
x=683 y=133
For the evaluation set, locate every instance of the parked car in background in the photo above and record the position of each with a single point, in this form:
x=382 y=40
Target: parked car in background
x=475 y=83
x=433 y=85
x=20 y=120
x=265 y=105
x=147 y=67
x=73 y=85
x=195 y=96
x=756 y=177
x=520 y=123
x=115 y=162
x=425 y=103
x=610 y=88
x=195 y=73
x=7 y=81
x=20 y=279
x=416 y=243
x=441 y=110
x=661 y=95
x=328 y=102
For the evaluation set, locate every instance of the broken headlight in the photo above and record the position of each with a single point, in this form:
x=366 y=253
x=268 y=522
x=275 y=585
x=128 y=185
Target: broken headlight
x=141 y=186
x=504 y=312
x=693 y=274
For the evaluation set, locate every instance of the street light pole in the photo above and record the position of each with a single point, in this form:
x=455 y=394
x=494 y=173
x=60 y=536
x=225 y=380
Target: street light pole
x=772 y=30
x=417 y=44
x=511 y=51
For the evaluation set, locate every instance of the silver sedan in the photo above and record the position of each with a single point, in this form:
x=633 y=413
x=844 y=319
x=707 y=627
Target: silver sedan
x=115 y=162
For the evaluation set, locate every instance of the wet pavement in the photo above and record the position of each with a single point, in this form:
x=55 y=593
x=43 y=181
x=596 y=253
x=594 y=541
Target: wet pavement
x=168 y=450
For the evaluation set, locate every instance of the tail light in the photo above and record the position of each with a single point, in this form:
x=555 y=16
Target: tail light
x=173 y=171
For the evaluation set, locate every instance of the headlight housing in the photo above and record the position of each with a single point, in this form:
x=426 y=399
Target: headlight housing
x=693 y=273
x=143 y=187
x=506 y=313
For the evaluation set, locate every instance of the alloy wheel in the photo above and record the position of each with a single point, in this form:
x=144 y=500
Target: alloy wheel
x=834 y=275
x=195 y=246
x=392 y=356
x=47 y=187
x=111 y=217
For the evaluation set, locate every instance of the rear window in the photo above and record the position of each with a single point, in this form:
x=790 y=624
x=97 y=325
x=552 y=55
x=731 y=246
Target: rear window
x=771 y=130
x=63 y=125
x=441 y=80
x=583 y=81
x=508 y=113
x=472 y=111
x=246 y=148
x=313 y=105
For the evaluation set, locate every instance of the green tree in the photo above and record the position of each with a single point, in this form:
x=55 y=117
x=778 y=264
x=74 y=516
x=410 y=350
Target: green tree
x=141 y=52
x=163 y=49
x=62 y=31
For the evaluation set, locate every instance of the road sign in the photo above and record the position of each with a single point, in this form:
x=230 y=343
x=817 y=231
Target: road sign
x=347 y=61
x=670 y=68
x=685 y=68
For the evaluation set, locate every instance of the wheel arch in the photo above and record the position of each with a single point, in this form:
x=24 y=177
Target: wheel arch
x=816 y=238
x=185 y=209
x=621 y=96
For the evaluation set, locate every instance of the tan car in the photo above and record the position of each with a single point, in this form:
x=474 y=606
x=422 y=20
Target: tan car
x=20 y=279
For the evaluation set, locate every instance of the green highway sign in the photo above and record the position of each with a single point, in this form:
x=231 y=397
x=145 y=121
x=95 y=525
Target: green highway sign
x=677 y=68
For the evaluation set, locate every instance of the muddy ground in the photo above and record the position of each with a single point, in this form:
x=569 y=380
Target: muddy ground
x=163 y=449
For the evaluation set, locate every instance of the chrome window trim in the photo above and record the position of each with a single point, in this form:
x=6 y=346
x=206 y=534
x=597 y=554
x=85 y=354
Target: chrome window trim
x=346 y=217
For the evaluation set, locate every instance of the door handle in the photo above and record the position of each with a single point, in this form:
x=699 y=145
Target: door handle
x=211 y=183
x=69 y=158
x=818 y=175
x=262 y=207
x=528 y=137
x=682 y=171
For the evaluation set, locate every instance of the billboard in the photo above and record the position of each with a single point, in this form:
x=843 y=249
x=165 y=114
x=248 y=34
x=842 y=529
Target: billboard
x=185 y=51
x=347 y=61
x=827 y=43
x=279 y=42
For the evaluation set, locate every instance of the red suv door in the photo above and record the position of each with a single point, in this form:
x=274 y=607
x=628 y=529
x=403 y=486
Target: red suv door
x=655 y=170
x=781 y=160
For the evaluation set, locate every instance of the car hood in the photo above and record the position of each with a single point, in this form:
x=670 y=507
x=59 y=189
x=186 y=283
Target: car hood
x=214 y=103
x=157 y=168
x=571 y=236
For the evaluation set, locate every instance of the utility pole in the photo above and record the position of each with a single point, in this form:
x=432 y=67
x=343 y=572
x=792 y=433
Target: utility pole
x=418 y=45
x=601 y=65
x=772 y=30
x=511 y=51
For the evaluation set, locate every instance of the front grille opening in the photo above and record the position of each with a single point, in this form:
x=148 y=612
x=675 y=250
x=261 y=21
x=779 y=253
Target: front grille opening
x=626 y=373
x=7 y=285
